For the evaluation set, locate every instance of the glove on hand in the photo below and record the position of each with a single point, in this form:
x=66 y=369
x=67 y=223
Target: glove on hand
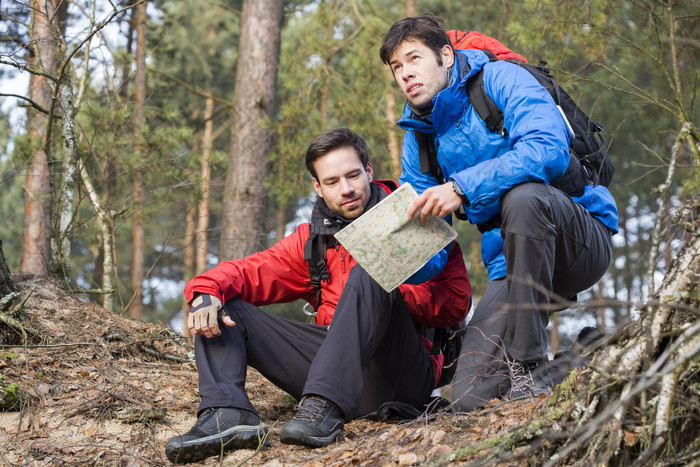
x=204 y=311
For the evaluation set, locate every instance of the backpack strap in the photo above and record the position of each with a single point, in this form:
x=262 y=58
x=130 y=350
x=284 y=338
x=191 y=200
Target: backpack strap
x=427 y=155
x=315 y=254
x=482 y=103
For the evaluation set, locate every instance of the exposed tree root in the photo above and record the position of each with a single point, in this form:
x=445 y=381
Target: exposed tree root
x=637 y=402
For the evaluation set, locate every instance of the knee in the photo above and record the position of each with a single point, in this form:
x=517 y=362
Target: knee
x=526 y=201
x=359 y=277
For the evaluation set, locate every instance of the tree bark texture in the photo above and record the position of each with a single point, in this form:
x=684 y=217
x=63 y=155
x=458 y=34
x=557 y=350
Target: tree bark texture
x=410 y=7
x=138 y=243
x=202 y=242
x=393 y=145
x=36 y=236
x=104 y=222
x=189 y=262
x=254 y=104
x=7 y=285
x=60 y=264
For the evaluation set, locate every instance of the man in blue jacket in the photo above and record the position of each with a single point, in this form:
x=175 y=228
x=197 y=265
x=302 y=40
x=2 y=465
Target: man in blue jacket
x=540 y=246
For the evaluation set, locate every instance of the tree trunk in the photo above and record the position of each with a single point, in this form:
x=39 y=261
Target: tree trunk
x=138 y=117
x=60 y=265
x=104 y=223
x=110 y=171
x=189 y=262
x=393 y=145
x=7 y=285
x=36 y=238
x=202 y=241
x=254 y=103
x=410 y=8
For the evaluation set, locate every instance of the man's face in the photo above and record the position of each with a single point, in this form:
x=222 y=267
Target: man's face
x=343 y=182
x=416 y=69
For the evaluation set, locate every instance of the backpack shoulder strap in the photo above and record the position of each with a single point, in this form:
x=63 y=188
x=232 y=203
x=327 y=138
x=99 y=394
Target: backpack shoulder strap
x=482 y=103
x=315 y=255
x=427 y=155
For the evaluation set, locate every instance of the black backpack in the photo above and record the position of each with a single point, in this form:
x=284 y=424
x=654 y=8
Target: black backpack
x=447 y=340
x=589 y=163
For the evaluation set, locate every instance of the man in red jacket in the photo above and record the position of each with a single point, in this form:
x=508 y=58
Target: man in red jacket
x=363 y=351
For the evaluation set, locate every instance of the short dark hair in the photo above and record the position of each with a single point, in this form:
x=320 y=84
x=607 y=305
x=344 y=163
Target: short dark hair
x=427 y=28
x=330 y=140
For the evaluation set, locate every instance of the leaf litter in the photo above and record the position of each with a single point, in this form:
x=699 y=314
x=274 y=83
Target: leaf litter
x=104 y=389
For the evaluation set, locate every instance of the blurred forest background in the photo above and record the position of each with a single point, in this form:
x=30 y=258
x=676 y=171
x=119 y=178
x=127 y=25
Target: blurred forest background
x=143 y=142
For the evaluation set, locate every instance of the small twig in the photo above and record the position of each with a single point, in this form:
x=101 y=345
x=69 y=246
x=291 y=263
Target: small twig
x=19 y=306
x=157 y=354
x=7 y=299
x=93 y=291
x=78 y=344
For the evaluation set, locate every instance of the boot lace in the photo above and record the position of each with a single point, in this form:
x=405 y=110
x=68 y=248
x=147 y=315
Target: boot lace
x=310 y=409
x=521 y=375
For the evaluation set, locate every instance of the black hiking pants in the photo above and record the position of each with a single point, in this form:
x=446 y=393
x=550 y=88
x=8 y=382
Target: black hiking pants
x=554 y=249
x=370 y=354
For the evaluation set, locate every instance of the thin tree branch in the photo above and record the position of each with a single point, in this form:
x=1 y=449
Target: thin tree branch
x=31 y=102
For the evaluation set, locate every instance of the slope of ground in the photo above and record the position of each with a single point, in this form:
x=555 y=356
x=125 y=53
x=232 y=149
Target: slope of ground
x=106 y=390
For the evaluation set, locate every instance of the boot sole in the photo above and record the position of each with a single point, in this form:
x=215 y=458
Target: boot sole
x=293 y=436
x=238 y=437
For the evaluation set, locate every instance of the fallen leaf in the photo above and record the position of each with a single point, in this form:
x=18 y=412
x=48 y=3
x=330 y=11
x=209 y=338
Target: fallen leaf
x=441 y=450
x=630 y=438
x=408 y=459
x=437 y=437
x=347 y=453
x=21 y=360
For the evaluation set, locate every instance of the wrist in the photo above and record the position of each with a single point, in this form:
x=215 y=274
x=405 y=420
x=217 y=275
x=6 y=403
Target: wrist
x=458 y=190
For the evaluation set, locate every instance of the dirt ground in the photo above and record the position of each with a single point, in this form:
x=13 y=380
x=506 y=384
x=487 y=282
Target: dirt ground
x=107 y=390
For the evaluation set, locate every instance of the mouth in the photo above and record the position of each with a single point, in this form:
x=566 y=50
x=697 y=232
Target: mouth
x=413 y=88
x=351 y=202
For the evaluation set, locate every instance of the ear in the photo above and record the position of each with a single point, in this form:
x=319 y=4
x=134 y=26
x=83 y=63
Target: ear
x=448 y=55
x=317 y=187
x=370 y=172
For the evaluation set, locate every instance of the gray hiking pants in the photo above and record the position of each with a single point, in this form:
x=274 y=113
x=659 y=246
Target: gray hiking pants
x=370 y=354
x=553 y=248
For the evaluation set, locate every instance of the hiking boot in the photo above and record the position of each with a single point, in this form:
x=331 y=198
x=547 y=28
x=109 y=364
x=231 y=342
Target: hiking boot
x=217 y=430
x=318 y=422
x=529 y=379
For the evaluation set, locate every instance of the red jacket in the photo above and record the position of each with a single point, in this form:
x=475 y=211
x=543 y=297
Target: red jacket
x=280 y=274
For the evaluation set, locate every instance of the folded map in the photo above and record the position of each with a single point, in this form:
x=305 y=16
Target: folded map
x=389 y=246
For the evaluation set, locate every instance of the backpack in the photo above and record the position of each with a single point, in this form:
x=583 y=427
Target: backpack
x=447 y=340
x=589 y=163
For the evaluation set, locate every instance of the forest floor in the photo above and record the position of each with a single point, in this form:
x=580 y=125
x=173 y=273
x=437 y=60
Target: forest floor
x=107 y=390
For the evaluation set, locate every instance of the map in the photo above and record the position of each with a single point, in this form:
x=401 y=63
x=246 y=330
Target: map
x=388 y=245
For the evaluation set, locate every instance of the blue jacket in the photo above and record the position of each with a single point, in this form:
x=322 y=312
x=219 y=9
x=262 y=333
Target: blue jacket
x=486 y=164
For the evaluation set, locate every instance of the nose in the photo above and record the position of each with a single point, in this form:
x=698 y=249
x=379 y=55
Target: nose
x=407 y=72
x=346 y=187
